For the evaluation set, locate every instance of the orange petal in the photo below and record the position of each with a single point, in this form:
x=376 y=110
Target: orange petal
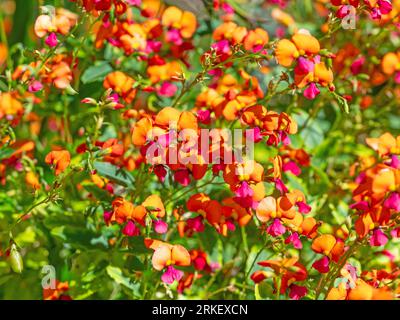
x=180 y=256
x=324 y=244
x=161 y=256
x=285 y=52
x=266 y=208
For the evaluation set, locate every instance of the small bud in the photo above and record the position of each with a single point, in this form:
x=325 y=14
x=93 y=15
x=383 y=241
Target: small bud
x=16 y=262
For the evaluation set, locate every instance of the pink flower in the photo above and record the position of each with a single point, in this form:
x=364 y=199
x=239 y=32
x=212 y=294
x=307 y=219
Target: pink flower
x=378 y=238
x=227 y=8
x=160 y=172
x=182 y=177
x=311 y=91
x=244 y=195
x=397 y=77
x=395 y=162
x=292 y=167
x=395 y=233
x=294 y=240
x=167 y=89
x=303 y=207
x=304 y=66
x=280 y=186
x=393 y=202
x=51 y=40
x=196 y=224
x=284 y=138
x=204 y=116
x=254 y=134
x=160 y=226
x=130 y=229
x=136 y=3
x=171 y=274
x=174 y=37
x=199 y=263
x=357 y=65
x=107 y=217
x=383 y=7
x=321 y=265
x=361 y=205
x=35 y=86
x=276 y=228
x=221 y=47
x=297 y=292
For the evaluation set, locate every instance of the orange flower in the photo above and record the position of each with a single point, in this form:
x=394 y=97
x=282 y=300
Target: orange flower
x=154 y=204
x=124 y=210
x=283 y=18
x=32 y=180
x=385 y=144
x=10 y=107
x=141 y=130
x=289 y=269
x=283 y=207
x=184 y=21
x=329 y=246
x=324 y=244
x=164 y=72
x=57 y=293
x=256 y=39
x=166 y=255
x=287 y=51
x=122 y=84
x=60 y=160
x=3 y=53
x=391 y=63
x=61 y=23
x=231 y=32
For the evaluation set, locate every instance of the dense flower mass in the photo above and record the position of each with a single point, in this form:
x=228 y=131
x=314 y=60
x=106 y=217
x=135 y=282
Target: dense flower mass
x=224 y=149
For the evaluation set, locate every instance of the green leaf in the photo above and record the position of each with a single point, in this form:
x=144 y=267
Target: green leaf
x=6 y=153
x=96 y=72
x=116 y=274
x=121 y=176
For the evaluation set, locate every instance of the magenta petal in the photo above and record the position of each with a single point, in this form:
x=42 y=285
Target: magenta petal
x=107 y=217
x=174 y=36
x=35 y=86
x=385 y=6
x=160 y=226
x=204 y=116
x=130 y=229
x=244 y=190
x=311 y=91
x=395 y=162
x=378 y=238
x=182 y=177
x=321 y=265
x=303 y=207
x=160 y=172
x=167 y=89
x=294 y=240
x=51 y=40
x=292 y=167
x=280 y=186
x=304 y=66
x=196 y=224
x=393 y=202
x=297 y=292
x=276 y=228
x=171 y=274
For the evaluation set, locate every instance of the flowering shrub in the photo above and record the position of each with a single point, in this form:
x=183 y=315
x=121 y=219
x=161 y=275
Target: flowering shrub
x=202 y=149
